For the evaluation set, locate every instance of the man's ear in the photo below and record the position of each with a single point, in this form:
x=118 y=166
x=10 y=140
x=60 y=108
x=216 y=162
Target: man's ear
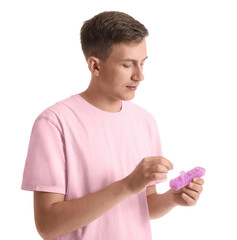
x=94 y=65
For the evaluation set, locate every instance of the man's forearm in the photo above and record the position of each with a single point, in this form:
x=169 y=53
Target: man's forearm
x=159 y=204
x=67 y=216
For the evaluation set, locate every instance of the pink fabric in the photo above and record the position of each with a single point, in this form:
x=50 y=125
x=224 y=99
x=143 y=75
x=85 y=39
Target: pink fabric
x=77 y=149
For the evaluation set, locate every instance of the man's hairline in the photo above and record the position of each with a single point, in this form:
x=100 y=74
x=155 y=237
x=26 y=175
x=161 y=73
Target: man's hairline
x=131 y=43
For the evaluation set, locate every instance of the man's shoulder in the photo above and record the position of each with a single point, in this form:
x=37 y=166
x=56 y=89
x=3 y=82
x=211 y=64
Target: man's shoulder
x=57 y=110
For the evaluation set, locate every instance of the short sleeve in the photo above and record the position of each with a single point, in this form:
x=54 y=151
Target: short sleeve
x=45 y=162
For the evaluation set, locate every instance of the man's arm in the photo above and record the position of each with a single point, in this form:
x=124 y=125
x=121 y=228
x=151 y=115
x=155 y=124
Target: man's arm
x=159 y=204
x=55 y=217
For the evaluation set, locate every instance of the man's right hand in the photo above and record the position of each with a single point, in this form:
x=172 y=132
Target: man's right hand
x=148 y=170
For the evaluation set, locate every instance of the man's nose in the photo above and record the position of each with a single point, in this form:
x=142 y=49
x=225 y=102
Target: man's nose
x=138 y=74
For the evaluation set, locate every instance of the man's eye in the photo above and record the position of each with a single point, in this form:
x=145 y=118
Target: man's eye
x=127 y=66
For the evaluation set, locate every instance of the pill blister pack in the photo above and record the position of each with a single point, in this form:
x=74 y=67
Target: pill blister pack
x=186 y=177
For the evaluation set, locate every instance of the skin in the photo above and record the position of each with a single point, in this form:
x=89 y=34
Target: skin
x=53 y=215
x=124 y=67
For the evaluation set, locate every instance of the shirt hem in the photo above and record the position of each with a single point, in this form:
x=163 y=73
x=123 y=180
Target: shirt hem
x=43 y=189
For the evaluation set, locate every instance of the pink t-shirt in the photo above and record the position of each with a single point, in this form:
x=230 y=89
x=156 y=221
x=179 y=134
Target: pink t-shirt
x=77 y=149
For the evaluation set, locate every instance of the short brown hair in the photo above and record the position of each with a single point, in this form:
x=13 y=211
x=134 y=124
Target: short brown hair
x=99 y=33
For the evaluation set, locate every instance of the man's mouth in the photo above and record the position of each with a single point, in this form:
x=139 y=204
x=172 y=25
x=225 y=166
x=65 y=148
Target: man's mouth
x=132 y=87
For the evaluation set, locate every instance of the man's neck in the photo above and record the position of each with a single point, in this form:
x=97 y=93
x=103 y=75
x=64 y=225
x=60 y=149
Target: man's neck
x=101 y=102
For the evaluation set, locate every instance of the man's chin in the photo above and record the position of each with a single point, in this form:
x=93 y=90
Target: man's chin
x=128 y=98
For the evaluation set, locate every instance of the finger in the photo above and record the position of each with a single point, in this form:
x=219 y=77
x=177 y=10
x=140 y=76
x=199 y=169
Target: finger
x=165 y=162
x=158 y=168
x=157 y=176
x=198 y=180
x=196 y=187
x=189 y=201
x=191 y=193
x=159 y=160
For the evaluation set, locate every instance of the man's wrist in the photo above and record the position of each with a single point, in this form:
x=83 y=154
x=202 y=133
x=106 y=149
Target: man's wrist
x=125 y=187
x=171 y=198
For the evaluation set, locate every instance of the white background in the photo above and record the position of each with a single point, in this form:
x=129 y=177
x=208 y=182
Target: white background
x=189 y=87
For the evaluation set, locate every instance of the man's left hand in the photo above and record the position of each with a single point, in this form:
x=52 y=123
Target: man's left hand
x=188 y=195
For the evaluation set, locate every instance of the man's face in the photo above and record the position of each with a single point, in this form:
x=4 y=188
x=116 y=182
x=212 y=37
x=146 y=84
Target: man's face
x=124 y=67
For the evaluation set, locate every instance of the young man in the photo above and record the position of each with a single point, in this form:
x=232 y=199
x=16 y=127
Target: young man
x=94 y=157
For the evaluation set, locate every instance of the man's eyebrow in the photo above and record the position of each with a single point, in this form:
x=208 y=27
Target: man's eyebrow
x=133 y=60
